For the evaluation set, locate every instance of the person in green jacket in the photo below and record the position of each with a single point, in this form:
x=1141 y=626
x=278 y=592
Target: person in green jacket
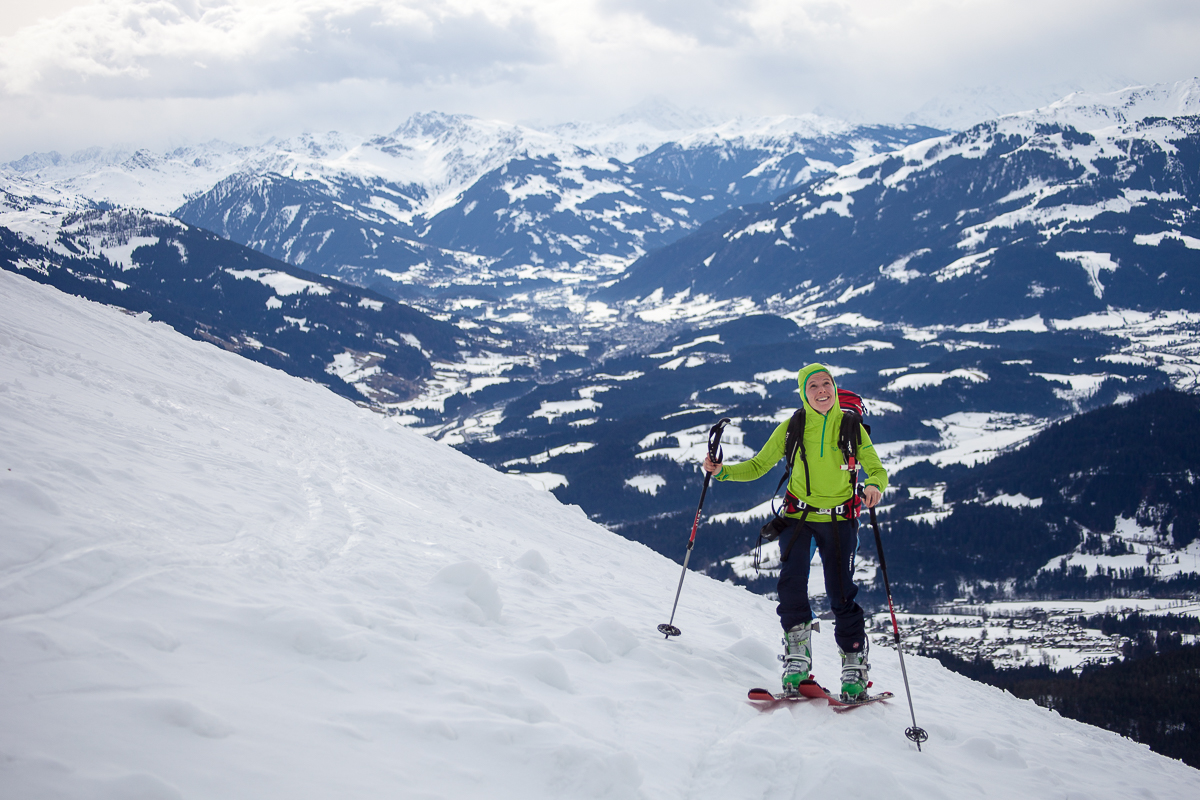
x=821 y=506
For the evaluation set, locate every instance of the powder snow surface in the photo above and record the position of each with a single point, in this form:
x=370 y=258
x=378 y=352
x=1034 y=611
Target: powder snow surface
x=217 y=581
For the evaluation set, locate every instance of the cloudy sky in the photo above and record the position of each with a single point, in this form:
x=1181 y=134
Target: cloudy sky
x=75 y=73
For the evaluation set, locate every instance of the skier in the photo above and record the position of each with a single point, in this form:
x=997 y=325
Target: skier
x=820 y=506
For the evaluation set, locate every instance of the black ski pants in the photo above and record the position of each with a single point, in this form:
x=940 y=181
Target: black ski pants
x=837 y=559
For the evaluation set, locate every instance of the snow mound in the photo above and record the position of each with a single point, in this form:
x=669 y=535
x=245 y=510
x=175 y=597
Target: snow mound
x=220 y=581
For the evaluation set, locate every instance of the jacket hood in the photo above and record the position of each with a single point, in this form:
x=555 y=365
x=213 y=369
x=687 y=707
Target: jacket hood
x=802 y=378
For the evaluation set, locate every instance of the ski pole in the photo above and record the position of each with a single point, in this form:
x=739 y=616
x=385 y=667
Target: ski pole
x=914 y=734
x=716 y=455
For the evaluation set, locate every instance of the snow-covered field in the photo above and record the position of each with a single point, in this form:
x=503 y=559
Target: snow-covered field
x=1031 y=632
x=220 y=581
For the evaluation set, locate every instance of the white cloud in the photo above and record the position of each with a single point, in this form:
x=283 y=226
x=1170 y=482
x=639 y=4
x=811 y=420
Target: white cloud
x=213 y=48
x=178 y=68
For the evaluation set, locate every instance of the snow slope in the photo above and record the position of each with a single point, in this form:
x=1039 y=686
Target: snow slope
x=220 y=581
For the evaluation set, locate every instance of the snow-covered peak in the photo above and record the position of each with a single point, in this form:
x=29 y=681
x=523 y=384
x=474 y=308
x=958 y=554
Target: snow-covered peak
x=659 y=112
x=220 y=581
x=1106 y=120
x=63 y=222
x=967 y=107
x=440 y=151
x=636 y=132
x=136 y=178
x=36 y=212
x=431 y=156
x=628 y=139
x=1095 y=111
x=623 y=141
x=316 y=146
x=770 y=133
x=431 y=125
x=18 y=190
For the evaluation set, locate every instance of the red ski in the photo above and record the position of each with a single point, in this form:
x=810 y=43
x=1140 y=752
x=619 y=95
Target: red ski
x=811 y=690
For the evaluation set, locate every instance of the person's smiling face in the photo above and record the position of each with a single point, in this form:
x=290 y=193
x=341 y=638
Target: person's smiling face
x=820 y=391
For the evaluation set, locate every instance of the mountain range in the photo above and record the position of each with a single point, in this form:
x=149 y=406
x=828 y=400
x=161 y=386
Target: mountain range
x=576 y=328
x=1073 y=209
x=453 y=203
x=221 y=292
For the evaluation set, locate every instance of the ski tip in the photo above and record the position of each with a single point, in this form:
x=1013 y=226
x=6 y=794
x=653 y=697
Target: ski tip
x=760 y=694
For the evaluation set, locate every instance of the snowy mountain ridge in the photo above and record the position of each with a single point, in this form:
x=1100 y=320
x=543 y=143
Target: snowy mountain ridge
x=966 y=107
x=433 y=152
x=447 y=202
x=224 y=293
x=392 y=186
x=629 y=139
x=1094 y=111
x=881 y=237
x=216 y=580
x=440 y=153
x=39 y=212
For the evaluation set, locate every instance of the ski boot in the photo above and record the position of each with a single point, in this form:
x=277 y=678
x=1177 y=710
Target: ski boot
x=797 y=659
x=854 y=674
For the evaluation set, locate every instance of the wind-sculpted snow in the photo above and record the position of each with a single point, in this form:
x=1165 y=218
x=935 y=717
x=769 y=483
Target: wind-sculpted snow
x=220 y=581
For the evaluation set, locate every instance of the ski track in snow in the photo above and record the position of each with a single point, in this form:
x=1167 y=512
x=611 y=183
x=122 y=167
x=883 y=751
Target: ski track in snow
x=220 y=581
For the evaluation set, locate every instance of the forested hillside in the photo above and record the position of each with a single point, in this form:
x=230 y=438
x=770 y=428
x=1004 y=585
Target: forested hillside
x=1075 y=481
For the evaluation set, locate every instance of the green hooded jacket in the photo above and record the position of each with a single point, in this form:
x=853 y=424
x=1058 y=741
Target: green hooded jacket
x=830 y=483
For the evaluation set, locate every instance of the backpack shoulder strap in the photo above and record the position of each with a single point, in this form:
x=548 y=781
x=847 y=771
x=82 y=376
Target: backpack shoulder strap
x=793 y=439
x=793 y=442
x=850 y=433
